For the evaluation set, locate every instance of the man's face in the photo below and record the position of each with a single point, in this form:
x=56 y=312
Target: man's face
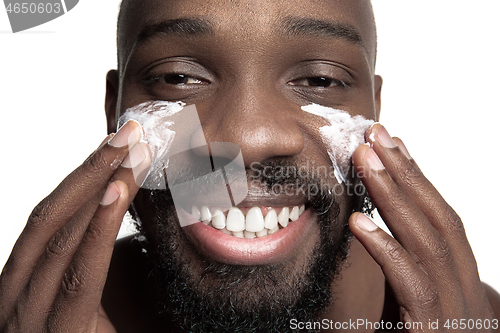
x=249 y=67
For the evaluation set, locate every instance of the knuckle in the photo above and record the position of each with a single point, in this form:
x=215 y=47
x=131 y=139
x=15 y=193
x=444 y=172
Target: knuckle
x=60 y=244
x=441 y=251
x=436 y=254
x=40 y=214
x=71 y=284
x=96 y=162
x=411 y=175
x=73 y=281
x=394 y=251
x=455 y=223
x=426 y=295
x=94 y=232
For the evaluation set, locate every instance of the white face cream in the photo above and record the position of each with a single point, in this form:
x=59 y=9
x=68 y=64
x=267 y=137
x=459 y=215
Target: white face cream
x=157 y=121
x=341 y=138
x=180 y=155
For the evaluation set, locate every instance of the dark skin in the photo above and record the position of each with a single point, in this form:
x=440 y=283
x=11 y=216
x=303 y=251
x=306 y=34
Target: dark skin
x=55 y=278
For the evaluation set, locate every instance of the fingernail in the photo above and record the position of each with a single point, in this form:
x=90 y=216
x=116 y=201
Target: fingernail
x=380 y=134
x=112 y=193
x=134 y=157
x=365 y=223
x=373 y=161
x=402 y=147
x=129 y=134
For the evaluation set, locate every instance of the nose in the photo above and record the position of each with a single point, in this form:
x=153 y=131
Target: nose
x=261 y=122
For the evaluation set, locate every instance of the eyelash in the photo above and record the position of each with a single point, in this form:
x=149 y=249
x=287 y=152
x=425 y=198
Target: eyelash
x=328 y=82
x=164 y=77
x=331 y=82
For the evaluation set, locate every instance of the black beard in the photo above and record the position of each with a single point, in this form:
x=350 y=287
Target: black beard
x=258 y=298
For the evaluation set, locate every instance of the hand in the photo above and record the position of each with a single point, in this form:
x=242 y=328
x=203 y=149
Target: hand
x=429 y=263
x=54 y=277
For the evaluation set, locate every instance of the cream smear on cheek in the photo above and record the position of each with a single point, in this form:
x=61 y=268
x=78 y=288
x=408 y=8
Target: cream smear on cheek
x=173 y=137
x=341 y=138
x=156 y=122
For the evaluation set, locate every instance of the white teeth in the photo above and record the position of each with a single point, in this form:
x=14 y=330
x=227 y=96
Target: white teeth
x=272 y=231
x=195 y=212
x=235 y=220
x=294 y=214
x=271 y=220
x=206 y=216
x=249 y=234
x=238 y=234
x=254 y=220
x=218 y=220
x=227 y=232
x=283 y=216
x=250 y=226
x=262 y=233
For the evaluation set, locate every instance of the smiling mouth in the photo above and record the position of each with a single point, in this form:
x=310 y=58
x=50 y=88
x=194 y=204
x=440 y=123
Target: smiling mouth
x=251 y=222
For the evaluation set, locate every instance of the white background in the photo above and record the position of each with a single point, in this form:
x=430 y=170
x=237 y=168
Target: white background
x=439 y=60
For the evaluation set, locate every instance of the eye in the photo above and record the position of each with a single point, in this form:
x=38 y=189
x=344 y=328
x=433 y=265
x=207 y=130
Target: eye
x=181 y=79
x=318 y=82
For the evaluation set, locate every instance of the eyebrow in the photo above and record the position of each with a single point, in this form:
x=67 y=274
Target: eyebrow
x=183 y=27
x=292 y=26
x=298 y=26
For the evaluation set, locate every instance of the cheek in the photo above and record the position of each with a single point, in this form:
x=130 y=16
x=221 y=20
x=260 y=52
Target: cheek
x=167 y=131
x=341 y=137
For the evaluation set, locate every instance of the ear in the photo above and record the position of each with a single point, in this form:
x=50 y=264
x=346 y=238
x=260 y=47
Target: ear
x=112 y=89
x=378 y=90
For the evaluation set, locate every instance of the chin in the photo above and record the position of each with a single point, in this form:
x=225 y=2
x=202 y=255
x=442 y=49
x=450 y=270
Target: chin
x=214 y=280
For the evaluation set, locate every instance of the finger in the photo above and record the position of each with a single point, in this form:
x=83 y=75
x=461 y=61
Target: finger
x=411 y=180
x=85 y=182
x=403 y=149
x=409 y=225
x=37 y=294
x=104 y=324
x=44 y=283
x=414 y=291
x=78 y=300
x=67 y=199
x=135 y=167
x=453 y=232
x=406 y=222
x=423 y=194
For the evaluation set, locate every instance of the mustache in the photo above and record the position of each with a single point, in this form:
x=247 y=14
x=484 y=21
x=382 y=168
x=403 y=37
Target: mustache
x=272 y=177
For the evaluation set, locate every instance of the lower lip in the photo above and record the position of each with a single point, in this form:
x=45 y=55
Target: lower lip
x=257 y=251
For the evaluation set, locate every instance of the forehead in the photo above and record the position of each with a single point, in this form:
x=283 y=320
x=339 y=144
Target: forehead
x=248 y=19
